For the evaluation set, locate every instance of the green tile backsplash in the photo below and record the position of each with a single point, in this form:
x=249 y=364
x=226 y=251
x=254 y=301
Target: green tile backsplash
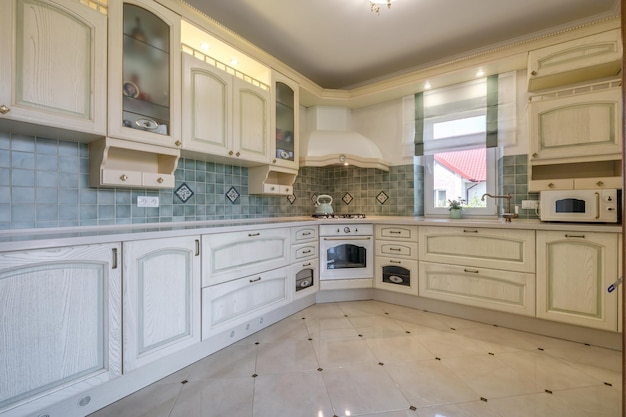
x=44 y=183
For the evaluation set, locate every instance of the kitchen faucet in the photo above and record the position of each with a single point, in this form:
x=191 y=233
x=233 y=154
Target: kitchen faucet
x=508 y=215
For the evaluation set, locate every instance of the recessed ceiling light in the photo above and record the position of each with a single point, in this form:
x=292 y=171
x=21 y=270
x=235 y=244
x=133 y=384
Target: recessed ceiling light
x=480 y=72
x=427 y=85
x=234 y=61
x=205 y=46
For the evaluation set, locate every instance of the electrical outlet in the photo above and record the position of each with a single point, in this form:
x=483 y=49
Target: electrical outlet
x=530 y=204
x=147 y=201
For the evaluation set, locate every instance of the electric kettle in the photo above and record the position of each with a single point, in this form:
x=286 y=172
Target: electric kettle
x=323 y=204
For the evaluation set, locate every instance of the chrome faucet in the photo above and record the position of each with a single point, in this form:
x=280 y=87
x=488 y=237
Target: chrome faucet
x=508 y=215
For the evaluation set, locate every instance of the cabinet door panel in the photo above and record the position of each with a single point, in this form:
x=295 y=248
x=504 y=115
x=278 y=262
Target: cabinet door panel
x=573 y=272
x=251 y=128
x=55 y=68
x=61 y=322
x=161 y=298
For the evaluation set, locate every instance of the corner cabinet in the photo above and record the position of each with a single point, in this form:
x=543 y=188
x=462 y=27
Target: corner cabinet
x=61 y=324
x=53 y=70
x=161 y=298
x=144 y=73
x=574 y=270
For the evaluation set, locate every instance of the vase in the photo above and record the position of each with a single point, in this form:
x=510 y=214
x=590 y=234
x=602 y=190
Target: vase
x=455 y=213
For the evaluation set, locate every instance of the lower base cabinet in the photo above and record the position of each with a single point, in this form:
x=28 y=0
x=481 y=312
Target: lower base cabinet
x=574 y=270
x=161 y=298
x=394 y=274
x=232 y=303
x=495 y=289
x=60 y=332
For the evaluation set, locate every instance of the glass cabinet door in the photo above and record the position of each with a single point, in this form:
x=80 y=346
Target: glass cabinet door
x=285 y=122
x=146 y=57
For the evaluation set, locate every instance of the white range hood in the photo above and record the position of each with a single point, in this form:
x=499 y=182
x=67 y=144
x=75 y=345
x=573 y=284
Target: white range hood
x=331 y=141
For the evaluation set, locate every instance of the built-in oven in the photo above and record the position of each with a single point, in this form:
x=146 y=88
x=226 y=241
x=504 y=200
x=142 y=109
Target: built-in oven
x=346 y=251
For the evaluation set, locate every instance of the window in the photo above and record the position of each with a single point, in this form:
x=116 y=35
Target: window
x=456 y=130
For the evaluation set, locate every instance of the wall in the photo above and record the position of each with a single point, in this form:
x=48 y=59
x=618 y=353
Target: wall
x=44 y=183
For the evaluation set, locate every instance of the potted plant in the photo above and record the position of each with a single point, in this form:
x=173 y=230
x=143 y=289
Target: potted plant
x=456 y=207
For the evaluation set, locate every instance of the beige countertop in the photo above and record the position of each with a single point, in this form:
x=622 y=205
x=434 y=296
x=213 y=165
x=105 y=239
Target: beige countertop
x=23 y=239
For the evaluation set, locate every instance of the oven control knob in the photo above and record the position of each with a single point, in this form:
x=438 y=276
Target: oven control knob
x=346 y=229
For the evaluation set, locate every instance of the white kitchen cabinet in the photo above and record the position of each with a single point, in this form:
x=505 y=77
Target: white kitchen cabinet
x=576 y=125
x=578 y=60
x=304 y=234
x=574 y=270
x=225 y=116
x=53 y=70
x=304 y=261
x=395 y=263
x=228 y=256
x=285 y=150
x=506 y=249
x=61 y=324
x=246 y=299
x=144 y=73
x=509 y=291
x=161 y=298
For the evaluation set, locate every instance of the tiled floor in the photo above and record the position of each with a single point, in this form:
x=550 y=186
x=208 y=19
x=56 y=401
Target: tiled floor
x=367 y=358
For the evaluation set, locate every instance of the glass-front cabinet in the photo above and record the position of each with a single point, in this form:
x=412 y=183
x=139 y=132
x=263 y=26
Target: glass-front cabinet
x=285 y=145
x=144 y=73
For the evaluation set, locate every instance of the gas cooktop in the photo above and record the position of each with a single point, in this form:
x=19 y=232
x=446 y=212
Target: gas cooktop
x=339 y=216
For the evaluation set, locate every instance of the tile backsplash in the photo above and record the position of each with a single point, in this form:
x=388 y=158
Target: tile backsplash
x=44 y=183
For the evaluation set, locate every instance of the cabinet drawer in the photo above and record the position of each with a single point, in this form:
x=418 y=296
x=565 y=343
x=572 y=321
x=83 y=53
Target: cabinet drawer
x=396 y=249
x=552 y=184
x=121 y=177
x=399 y=275
x=228 y=256
x=303 y=251
x=396 y=232
x=303 y=234
x=513 y=292
x=508 y=249
x=158 y=180
x=233 y=303
x=598 y=183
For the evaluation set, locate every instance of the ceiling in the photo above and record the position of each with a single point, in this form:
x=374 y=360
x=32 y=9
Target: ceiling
x=342 y=44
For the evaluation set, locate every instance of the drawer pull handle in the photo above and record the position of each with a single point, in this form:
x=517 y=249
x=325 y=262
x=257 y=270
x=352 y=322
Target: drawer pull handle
x=255 y=280
x=599 y=183
x=197 y=247
x=470 y=231
x=471 y=271
x=391 y=261
x=397 y=232
x=307 y=264
x=4 y=109
x=395 y=249
x=306 y=233
x=535 y=155
x=178 y=143
x=254 y=234
x=124 y=177
x=160 y=180
x=575 y=236
x=551 y=185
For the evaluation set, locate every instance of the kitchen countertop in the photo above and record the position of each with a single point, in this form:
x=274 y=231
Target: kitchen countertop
x=23 y=239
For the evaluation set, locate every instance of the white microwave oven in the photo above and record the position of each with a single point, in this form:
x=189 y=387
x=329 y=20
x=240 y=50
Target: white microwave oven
x=594 y=206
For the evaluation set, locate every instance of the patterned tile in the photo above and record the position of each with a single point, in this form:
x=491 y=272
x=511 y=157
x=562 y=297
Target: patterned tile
x=184 y=192
x=347 y=198
x=382 y=197
x=232 y=194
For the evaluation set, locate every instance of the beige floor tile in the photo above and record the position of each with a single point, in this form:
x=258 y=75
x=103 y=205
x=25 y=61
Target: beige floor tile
x=534 y=405
x=216 y=398
x=285 y=356
x=468 y=409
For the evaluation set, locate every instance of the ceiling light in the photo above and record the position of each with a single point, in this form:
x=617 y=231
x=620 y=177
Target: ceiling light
x=234 y=61
x=204 y=46
x=480 y=73
x=375 y=5
x=427 y=85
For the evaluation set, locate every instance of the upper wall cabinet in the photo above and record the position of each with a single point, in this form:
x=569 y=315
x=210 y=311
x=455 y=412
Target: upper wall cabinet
x=144 y=73
x=285 y=150
x=53 y=68
x=225 y=117
x=572 y=62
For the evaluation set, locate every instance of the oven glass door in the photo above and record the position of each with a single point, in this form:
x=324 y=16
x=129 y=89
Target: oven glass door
x=346 y=258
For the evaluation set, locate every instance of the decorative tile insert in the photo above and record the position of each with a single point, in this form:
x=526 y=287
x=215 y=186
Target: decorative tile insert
x=184 y=192
x=347 y=198
x=291 y=198
x=382 y=197
x=314 y=198
x=232 y=194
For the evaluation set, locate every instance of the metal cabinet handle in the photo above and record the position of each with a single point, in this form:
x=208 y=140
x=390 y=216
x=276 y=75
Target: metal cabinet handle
x=253 y=234
x=124 y=177
x=4 y=109
x=397 y=232
x=307 y=264
x=391 y=261
x=306 y=251
x=160 y=180
x=575 y=236
x=470 y=231
x=535 y=155
x=471 y=271
x=230 y=153
x=197 y=247
x=551 y=185
x=533 y=73
x=255 y=280
x=306 y=233
x=238 y=154
x=178 y=143
x=114 y=258
x=599 y=183
x=395 y=249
